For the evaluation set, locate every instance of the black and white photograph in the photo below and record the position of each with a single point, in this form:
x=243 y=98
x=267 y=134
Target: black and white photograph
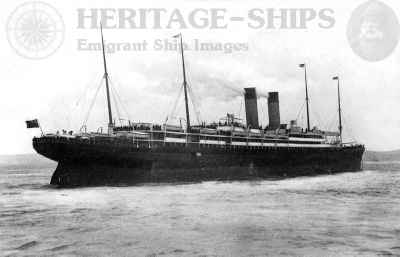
x=200 y=128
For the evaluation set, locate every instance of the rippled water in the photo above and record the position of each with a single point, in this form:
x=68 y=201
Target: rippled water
x=350 y=214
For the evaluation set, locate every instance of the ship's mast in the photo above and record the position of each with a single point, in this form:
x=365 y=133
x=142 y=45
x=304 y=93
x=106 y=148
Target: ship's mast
x=110 y=119
x=303 y=65
x=184 y=85
x=340 y=109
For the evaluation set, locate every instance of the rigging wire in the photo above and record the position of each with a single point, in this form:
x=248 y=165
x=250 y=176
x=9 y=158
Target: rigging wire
x=329 y=125
x=318 y=118
x=81 y=97
x=115 y=103
x=194 y=103
x=172 y=114
x=347 y=128
x=92 y=103
x=193 y=99
x=301 y=110
x=175 y=101
x=240 y=108
x=190 y=91
x=119 y=98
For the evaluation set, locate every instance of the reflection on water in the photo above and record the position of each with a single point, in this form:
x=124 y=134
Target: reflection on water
x=350 y=214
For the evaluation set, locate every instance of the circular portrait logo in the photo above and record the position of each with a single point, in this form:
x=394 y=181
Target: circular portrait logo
x=35 y=30
x=373 y=31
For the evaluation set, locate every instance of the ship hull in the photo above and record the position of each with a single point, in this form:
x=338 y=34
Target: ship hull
x=82 y=163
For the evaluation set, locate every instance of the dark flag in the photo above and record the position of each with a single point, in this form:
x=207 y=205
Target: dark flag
x=301 y=65
x=32 y=123
x=335 y=78
x=176 y=36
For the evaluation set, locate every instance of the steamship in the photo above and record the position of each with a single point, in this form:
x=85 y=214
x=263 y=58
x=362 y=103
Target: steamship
x=223 y=150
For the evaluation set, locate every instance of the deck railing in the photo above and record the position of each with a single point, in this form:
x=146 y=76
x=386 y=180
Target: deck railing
x=154 y=143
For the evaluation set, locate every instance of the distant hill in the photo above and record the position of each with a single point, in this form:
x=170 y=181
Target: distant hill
x=25 y=160
x=384 y=156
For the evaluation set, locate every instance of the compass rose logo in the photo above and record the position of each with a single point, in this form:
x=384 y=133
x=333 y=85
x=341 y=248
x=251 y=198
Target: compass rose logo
x=35 y=30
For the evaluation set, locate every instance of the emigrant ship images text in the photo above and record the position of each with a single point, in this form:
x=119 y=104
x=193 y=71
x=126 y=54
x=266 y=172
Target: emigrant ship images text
x=224 y=150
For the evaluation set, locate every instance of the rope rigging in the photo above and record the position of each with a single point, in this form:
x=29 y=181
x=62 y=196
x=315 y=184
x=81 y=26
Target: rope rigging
x=115 y=104
x=316 y=115
x=191 y=94
x=92 y=103
x=346 y=126
x=330 y=125
x=115 y=91
x=301 y=110
x=172 y=114
x=117 y=101
x=192 y=97
x=194 y=103
x=176 y=100
x=83 y=95
x=240 y=108
x=347 y=129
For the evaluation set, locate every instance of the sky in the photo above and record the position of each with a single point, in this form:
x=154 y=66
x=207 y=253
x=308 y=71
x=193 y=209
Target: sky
x=59 y=89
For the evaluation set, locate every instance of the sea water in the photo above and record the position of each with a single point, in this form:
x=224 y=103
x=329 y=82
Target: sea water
x=348 y=214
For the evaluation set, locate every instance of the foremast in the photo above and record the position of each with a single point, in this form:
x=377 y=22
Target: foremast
x=184 y=85
x=110 y=119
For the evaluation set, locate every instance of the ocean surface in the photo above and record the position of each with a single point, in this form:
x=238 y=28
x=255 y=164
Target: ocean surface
x=349 y=214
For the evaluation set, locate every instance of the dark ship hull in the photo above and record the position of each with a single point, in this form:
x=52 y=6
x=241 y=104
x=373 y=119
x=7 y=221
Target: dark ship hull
x=83 y=162
x=226 y=150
